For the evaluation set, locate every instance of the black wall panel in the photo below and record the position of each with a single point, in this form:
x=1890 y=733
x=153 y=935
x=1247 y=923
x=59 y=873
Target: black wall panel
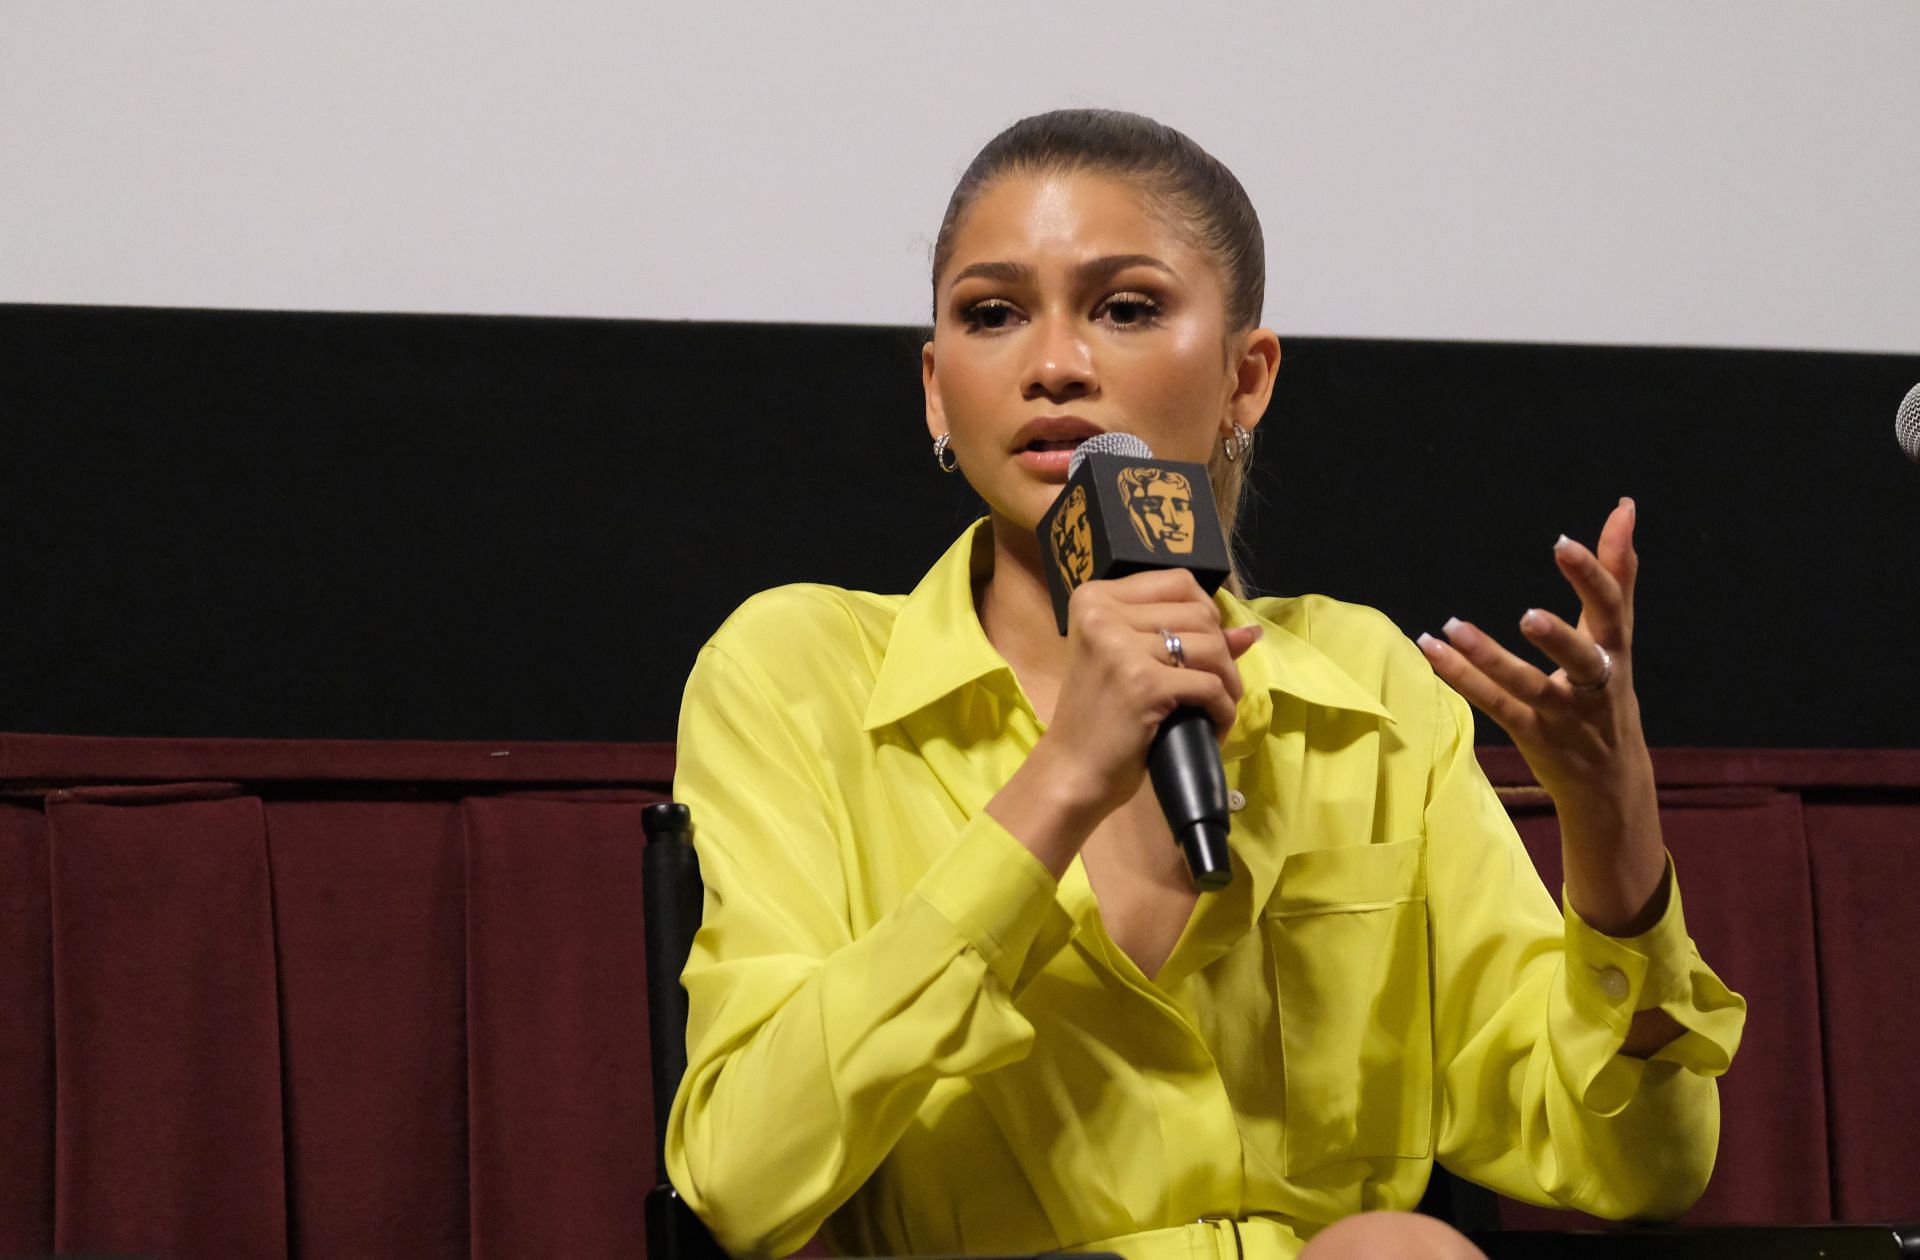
x=282 y=524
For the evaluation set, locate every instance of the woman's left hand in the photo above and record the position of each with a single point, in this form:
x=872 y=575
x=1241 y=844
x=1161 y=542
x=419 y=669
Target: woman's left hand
x=1579 y=727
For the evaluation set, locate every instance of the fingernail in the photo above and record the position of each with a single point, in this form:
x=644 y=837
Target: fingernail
x=1561 y=541
x=1459 y=631
x=1633 y=509
x=1428 y=643
x=1532 y=622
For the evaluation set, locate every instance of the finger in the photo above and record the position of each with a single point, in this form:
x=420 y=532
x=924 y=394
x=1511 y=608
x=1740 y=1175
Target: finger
x=1240 y=638
x=1201 y=689
x=1110 y=597
x=1616 y=551
x=1188 y=616
x=1603 y=609
x=1567 y=647
x=1515 y=718
x=1202 y=652
x=1156 y=585
x=1525 y=682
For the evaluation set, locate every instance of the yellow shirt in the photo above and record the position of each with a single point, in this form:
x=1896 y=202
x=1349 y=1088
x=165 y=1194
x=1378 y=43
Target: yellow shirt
x=902 y=1029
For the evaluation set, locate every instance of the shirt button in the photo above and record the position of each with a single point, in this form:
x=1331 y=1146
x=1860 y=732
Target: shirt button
x=1613 y=983
x=1236 y=800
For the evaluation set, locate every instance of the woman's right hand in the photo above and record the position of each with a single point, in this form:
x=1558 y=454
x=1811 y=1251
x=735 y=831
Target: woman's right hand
x=1116 y=689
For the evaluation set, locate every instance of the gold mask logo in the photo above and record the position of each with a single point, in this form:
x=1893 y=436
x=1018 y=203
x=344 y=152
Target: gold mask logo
x=1073 y=539
x=1160 y=505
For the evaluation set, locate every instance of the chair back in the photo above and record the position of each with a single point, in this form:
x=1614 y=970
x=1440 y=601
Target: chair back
x=672 y=897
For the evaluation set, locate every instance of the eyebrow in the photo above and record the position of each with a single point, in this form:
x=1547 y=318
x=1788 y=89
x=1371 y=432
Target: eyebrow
x=1088 y=272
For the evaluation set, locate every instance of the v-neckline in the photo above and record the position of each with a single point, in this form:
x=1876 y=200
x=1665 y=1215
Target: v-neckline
x=1083 y=904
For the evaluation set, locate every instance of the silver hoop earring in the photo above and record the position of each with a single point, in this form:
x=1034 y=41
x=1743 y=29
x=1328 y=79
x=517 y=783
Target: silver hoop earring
x=1237 y=443
x=945 y=458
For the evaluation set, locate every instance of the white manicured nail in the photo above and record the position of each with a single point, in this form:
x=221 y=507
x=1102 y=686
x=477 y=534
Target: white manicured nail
x=1427 y=642
x=1561 y=541
x=1532 y=621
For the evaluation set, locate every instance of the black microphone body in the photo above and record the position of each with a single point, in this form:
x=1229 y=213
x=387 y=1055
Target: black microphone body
x=1184 y=763
x=1122 y=512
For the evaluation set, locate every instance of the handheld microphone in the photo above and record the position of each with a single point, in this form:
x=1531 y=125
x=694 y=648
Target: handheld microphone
x=1122 y=512
x=1906 y=424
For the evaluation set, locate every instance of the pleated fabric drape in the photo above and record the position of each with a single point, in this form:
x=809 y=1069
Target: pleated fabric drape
x=1800 y=868
x=346 y=1000
x=246 y=1023
x=1866 y=888
x=1741 y=857
x=26 y=1033
x=166 y=1025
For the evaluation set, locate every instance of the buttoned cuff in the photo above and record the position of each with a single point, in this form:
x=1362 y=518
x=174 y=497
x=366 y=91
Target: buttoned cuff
x=999 y=897
x=1608 y=979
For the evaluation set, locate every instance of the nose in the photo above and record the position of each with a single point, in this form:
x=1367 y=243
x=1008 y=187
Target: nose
x=1060 y=365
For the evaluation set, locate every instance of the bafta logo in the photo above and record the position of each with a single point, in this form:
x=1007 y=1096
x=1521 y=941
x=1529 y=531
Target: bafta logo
x=1160 y=505
x=1073 y=539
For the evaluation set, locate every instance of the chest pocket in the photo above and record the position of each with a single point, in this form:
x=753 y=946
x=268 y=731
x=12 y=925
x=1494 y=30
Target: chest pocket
x=1347 y=932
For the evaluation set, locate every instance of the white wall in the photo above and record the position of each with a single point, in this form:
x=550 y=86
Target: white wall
x=1707 y=172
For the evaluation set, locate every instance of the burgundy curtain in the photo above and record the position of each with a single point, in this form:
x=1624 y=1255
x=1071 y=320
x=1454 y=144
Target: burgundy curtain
x=1798 y=870
x=322 y=1015
x=1741 y=858
x=1866 y=889
x=339 y=999
x=26 y=1033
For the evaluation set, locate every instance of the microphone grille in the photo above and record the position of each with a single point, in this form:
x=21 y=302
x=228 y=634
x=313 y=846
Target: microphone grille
x=1127 y=445
x=1906 y=425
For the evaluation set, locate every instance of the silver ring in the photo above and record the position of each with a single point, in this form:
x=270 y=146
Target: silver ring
x=1176 y=655
x=1606 y=674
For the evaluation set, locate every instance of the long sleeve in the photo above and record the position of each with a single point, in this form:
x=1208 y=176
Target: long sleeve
x=811 y=1047
x=1532 y=1007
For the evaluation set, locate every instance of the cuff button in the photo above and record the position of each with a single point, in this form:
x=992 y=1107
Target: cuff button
x=1613 y=983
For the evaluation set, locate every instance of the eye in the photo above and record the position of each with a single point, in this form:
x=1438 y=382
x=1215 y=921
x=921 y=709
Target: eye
x=1129 y=310
x=989 y=315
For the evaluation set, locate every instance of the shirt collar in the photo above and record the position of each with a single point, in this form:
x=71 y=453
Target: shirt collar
x=1283 y=661
x=937 y=647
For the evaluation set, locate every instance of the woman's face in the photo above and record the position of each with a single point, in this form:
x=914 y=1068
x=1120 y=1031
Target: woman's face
x=1069 y=307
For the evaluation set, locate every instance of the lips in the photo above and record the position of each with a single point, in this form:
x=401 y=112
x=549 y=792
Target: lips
x=1054 y=433
x=1044 y=447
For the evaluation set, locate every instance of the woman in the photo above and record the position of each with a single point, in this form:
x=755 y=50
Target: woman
x=954 y=991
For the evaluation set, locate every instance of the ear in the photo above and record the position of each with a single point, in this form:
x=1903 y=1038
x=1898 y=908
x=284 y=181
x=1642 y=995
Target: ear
x=930 y=385
x=1255 y=362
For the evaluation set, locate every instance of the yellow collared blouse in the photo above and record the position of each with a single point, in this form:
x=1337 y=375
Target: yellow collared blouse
x=904 y=1031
